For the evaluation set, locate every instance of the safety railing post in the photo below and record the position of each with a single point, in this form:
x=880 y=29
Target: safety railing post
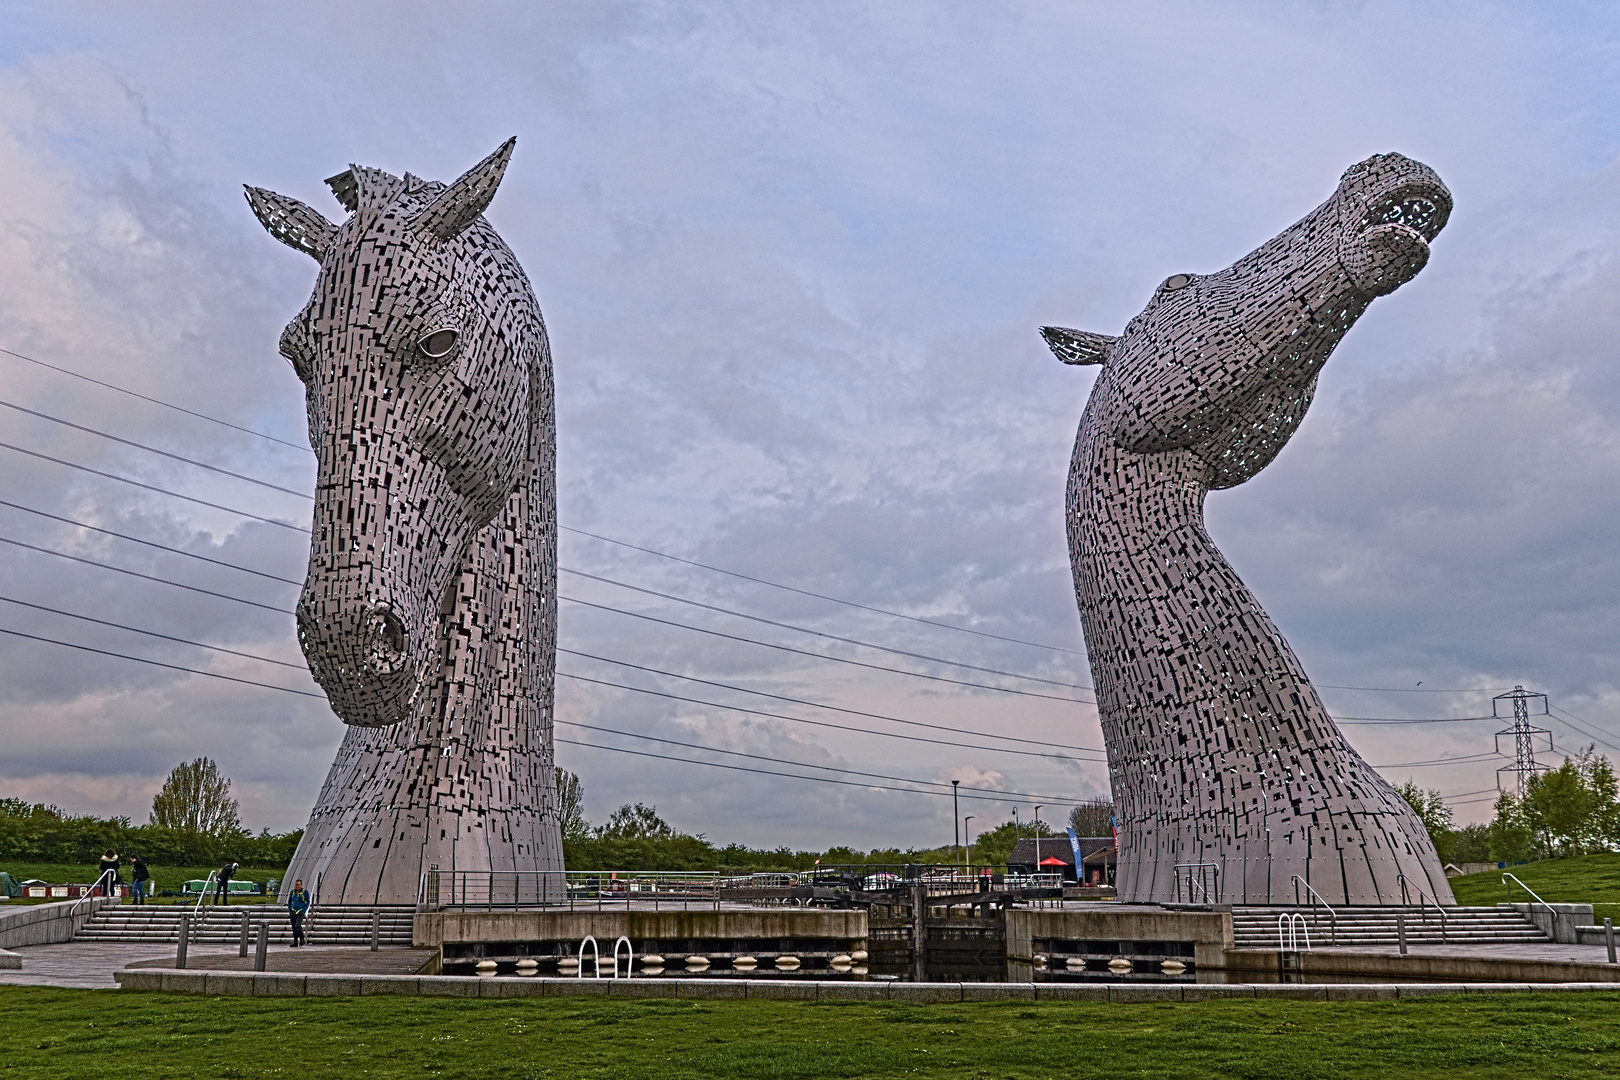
x=376 y=929
x=185 y=937
x=1608 y=937
x=262 y=947
x=1400 y=930
x=242 y=948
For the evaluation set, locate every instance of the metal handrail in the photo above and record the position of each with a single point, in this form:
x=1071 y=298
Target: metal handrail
x=100 y=883
x=1292 y=944
x=1332 y=915
x=1199 y=880
x=1528 y=889
x=1424 y=900
x=213 y=875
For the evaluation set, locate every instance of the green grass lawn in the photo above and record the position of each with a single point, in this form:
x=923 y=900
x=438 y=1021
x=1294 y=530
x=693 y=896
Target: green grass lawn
x=1586 y=879
x=165 y=877
x=57 y=1033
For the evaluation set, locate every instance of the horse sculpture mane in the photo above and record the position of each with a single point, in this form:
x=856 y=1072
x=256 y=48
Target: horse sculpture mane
x=429 y=612
x=1230 y=779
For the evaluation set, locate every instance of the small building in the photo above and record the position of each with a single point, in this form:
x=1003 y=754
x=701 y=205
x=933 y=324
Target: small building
x=1056 y=854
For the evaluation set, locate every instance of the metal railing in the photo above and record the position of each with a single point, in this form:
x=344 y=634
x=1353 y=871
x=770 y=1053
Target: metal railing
x=493 y=890
x=1316 y=898
x=1424 y=900
x=1295 y=924
x=213 y=877
x=1506 y=878
x=1199 y=882
x=102 y=883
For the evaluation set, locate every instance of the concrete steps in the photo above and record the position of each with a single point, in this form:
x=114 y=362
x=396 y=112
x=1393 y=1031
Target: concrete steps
x=1256 y=927
x=332 y=924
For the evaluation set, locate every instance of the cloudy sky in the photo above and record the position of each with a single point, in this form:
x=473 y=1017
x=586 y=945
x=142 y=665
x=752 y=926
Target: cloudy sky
x=792 y=258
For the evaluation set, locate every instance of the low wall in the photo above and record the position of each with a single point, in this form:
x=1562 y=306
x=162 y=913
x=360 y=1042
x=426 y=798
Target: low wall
x=44 y=924
x=1326 y=964
x=1210 y=932
x=290 y=985
x=435 y=929
x=1562 y=923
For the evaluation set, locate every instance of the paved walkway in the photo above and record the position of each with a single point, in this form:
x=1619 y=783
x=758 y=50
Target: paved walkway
x=84 y=965
x=89 y=965
x=1521 y=950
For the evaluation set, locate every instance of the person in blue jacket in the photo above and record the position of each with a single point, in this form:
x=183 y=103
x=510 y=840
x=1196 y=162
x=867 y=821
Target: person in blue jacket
x=297 y=908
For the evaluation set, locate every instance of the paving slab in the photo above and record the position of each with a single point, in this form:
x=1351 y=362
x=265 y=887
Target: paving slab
x=390 y=984
x=1353 y=992
x=716 y=989
x=330 y=985
x=855 y=991
x=998 y=991
x=929 y=993
x=771 y=990
x=1128 y=993
x=1292 y=991
x=1417 y=990
x=1071 y=991
x=1214 y=991
x=445 y=986
x=279 y=985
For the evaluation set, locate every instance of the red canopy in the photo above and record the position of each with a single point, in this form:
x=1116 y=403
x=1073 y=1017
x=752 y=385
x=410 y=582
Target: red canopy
x=1050 y=861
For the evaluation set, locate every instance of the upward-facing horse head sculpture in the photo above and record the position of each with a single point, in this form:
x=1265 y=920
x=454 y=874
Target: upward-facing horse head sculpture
x=429 y=612
x=1220 y=751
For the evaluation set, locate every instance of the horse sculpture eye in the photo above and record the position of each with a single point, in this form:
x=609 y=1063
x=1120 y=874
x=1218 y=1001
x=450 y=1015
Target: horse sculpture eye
x=438 y=344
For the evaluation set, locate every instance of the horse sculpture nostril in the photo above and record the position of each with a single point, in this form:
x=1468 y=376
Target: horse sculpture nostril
x=391 y=632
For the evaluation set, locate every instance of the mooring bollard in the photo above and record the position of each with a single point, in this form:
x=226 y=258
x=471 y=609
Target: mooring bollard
x=1608 y=937
x=262 y=948
x=185 y=936
x=376 y=929
x=242 y=951
x=1400 y=929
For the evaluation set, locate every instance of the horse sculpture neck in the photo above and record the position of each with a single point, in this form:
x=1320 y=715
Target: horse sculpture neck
x=429 y=612
x=1229 y=776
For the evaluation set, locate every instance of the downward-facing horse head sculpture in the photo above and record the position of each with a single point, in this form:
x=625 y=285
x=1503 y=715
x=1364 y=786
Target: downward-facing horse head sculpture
x=1229 y=777
x=429 y=614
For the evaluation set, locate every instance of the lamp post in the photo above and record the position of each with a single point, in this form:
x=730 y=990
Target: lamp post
x=956 y=820
x=967 y=834
x=1037 y=838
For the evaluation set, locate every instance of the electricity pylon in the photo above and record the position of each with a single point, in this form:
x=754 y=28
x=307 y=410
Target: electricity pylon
x=1524 y=764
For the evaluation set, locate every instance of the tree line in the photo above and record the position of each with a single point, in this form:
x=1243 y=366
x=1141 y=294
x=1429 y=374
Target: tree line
x=194 y=822
x=1571 y=810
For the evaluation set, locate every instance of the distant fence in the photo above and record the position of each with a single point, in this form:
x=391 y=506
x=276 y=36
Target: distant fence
x=605 y=890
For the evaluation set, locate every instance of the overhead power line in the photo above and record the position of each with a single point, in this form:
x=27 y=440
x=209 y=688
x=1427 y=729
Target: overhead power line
x=158 y=401
x=819 y=596
x=817 y=705
x=152 y=633
x=152 y=487
x=816 y=655
x=819 y=633
x=803 y=764
x=149 y=543
x=790 y=776
x=605 y=580
x=603 y=659
x=161 y=664
x=138 y=574
x=824 y=723
x=152 y=449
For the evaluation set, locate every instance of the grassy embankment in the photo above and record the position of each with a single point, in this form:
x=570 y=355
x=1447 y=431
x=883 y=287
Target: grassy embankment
x=164 y=877
x=54 y=1033
x=1585 y=879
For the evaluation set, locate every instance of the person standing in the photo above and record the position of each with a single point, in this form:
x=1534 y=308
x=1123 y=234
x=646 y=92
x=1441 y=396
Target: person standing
x=109 y=862
x=222 y=889
x=297 y=908
x=140 y=876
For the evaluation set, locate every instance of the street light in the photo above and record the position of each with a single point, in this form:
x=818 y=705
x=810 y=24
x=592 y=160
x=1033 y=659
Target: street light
x=1037 y=838
x=967 y=834
x=956 y=820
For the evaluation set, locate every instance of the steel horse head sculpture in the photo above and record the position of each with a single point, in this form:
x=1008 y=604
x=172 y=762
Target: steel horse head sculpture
x=429 y=614
x=1229 y=776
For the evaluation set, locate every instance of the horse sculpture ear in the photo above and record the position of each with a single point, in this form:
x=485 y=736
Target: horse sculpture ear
x=293 y=223
x=459 y=205
x=1078 y=346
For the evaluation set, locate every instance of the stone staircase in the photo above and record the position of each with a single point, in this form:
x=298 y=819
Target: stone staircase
x=332 y=924
x=1256 y=927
